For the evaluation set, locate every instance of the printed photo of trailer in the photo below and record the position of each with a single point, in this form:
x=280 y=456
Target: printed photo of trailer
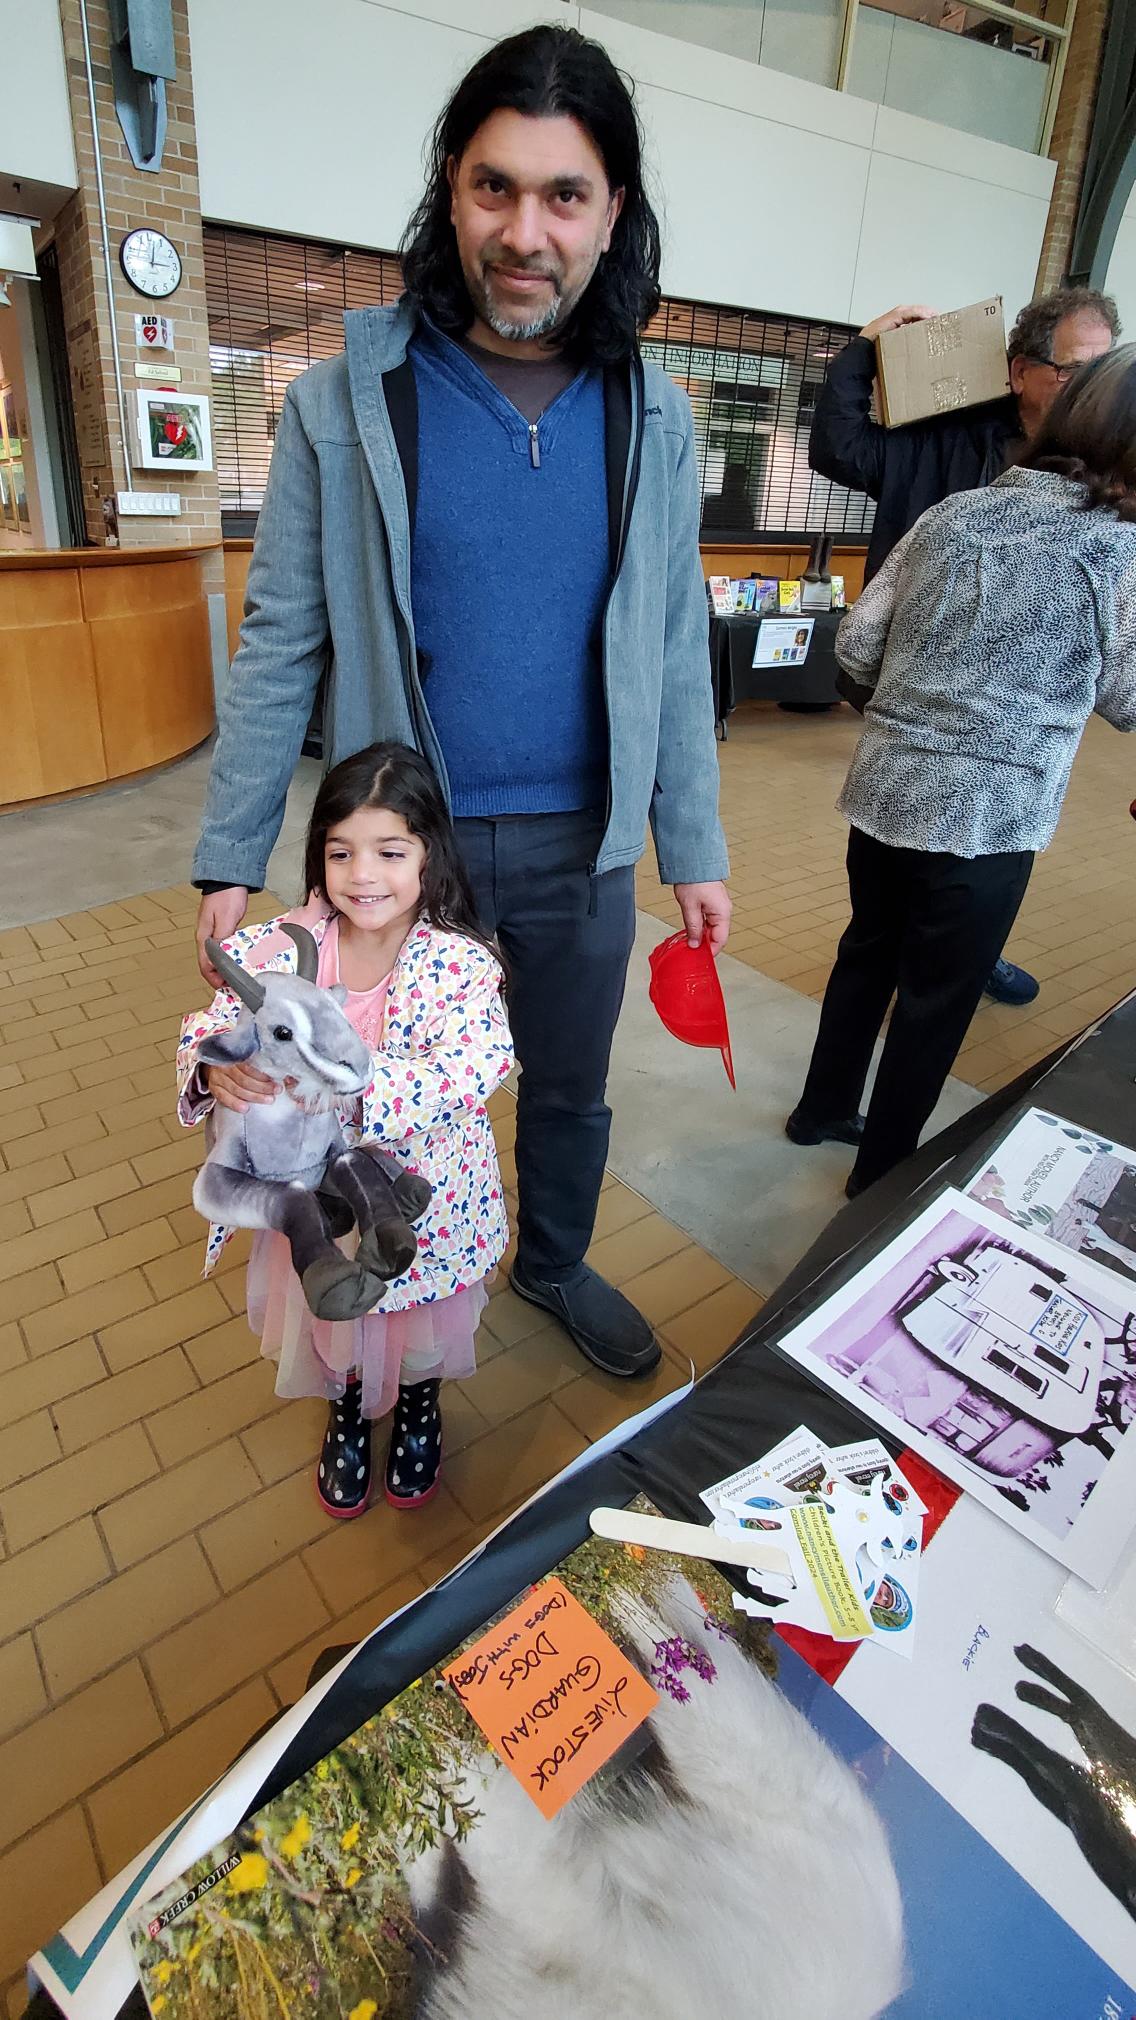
x=1002 y=1360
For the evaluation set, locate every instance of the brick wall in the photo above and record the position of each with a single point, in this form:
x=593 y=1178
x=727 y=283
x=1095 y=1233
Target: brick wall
x=1070 y=141
x=168 y=201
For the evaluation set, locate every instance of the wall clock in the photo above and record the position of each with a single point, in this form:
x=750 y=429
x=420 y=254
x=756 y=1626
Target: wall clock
x=149 y=261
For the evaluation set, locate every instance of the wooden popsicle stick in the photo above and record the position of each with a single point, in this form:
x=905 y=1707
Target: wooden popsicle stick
x=689 y=1539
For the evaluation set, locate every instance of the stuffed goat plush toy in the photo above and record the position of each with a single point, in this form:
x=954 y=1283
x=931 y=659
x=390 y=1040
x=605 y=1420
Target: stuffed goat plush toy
x=284 y=1164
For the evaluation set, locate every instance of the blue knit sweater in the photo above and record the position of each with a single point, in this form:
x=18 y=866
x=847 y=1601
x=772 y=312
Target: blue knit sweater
x=509 y=573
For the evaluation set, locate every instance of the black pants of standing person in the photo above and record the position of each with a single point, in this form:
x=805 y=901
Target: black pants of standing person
x=926 y=928
x=567 y=939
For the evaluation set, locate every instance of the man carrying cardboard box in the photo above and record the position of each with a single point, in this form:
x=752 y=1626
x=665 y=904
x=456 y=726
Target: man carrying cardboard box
x=907 y=470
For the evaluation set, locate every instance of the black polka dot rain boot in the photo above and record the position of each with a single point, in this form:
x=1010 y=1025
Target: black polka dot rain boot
x=414 y=1461
x=343 y=1477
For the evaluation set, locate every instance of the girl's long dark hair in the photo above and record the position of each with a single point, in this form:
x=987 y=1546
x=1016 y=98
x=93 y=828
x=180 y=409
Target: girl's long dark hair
x=1089 y=433
x=546 y=73
x=396 y=778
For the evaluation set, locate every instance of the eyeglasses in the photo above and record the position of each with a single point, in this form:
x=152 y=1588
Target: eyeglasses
x=1062 y=373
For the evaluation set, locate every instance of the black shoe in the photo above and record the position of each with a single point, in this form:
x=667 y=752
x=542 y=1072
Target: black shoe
x=604 y=1324
x=1007 y=984
x=343 y=1477
x=856 y=1186
x=414 y=1460
x=847 y=1129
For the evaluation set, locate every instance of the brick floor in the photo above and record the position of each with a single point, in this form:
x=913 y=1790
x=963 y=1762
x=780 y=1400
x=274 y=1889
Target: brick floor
x=166 y=1574
x=1076 y=930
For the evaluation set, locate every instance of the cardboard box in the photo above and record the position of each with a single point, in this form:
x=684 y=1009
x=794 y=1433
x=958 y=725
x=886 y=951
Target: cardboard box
x=937 y=367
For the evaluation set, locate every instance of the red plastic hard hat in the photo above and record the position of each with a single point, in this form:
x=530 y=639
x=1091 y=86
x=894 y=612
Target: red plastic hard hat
x=687 y=994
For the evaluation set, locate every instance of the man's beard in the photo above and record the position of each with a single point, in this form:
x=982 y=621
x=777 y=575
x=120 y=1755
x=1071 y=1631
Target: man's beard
x=544 y=322
x=541 y=325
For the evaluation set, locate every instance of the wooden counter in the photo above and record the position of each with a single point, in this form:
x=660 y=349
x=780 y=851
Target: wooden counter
x=238 y=554
x=105 y=666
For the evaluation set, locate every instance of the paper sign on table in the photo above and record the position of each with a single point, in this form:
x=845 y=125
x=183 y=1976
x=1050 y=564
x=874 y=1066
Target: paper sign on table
x=552 y=1693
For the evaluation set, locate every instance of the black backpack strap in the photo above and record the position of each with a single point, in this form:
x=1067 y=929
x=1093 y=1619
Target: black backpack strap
x=617 y=450
x=401 y=396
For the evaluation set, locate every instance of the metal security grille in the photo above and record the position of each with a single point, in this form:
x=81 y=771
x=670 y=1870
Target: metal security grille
x=276 y=305
x=753 y=381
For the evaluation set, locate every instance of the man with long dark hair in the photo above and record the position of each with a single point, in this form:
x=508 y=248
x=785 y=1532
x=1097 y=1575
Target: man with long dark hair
x=483 y=522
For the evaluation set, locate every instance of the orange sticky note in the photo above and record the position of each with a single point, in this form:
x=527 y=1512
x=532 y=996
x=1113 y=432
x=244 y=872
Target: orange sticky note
x=552 y=1693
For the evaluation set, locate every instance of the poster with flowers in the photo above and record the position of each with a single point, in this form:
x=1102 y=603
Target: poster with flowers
x=753 y=1851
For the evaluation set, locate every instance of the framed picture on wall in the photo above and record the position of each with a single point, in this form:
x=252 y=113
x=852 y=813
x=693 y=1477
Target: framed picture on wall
x=173 y=431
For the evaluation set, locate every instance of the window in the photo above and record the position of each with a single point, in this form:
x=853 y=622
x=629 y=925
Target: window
x=276 y=305
x=999 y=75
x=753 y=382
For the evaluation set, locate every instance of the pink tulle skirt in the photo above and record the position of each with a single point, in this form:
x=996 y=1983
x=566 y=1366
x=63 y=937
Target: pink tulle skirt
x=315 y=1356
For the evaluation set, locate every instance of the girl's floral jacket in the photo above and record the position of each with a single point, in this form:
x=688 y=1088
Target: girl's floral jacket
x=446 y=1046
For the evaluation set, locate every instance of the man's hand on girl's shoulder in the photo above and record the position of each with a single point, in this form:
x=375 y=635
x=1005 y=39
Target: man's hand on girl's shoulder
x=218 y=916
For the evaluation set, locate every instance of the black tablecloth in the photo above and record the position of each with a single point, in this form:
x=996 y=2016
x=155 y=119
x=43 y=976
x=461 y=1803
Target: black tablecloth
x=742 y=1407
x=736 y=678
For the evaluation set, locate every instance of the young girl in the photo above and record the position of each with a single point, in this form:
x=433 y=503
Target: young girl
x=393 y=916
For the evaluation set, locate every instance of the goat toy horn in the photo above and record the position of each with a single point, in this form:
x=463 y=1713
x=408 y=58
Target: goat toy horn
x=250 y=991
x=307 y=962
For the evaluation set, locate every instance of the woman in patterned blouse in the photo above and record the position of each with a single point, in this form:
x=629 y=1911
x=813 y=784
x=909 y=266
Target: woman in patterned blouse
x=991 y=633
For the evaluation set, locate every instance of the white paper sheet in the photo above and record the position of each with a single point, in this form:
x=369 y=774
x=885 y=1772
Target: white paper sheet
x=1049 y=1176
x=1002 y=1360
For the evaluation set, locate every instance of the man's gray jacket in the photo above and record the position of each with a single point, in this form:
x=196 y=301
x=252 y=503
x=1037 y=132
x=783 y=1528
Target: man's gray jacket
x=329 y=589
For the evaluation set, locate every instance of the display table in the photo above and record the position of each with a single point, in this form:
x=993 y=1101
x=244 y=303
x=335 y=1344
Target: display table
x=736 y=678
x=745 y=1404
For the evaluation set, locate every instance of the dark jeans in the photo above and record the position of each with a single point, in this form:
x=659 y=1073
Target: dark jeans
x=567 y=939
x=926 y=928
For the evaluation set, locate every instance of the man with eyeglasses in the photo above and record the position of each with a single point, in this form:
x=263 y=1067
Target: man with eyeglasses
x=907 y=470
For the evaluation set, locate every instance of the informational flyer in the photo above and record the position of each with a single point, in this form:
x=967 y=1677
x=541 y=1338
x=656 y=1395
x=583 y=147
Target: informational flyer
x=851 y=1526
x=1004 y=1362
x=1052 y=1177
x=783 y=641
